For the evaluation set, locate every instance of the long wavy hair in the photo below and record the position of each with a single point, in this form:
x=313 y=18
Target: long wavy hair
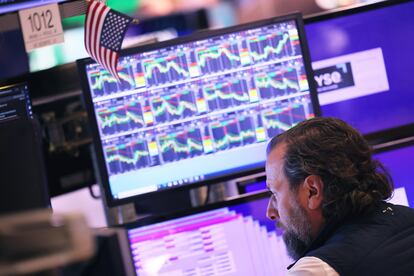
x=333 y=150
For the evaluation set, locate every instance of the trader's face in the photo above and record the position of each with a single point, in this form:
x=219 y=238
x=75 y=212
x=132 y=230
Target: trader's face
x=285 y=206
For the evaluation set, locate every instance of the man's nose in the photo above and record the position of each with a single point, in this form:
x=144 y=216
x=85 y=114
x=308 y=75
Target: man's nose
x=271 y=211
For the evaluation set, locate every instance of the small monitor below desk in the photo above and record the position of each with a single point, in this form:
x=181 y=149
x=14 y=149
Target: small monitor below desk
x=229 y=238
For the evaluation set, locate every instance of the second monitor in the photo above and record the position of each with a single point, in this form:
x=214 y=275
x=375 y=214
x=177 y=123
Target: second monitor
x=363 y=61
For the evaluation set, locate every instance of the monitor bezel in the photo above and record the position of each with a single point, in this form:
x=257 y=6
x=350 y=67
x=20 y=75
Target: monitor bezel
x=159 y=218
x=391 y=139
x=203 y=34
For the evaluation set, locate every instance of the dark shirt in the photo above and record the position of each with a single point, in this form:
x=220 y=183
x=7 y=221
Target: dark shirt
x=378 y=242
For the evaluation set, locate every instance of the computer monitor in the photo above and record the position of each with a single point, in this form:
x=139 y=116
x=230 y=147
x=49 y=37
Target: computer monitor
x=229 y=238
x=23 y=180
x=197 y=109
x=15 y=103
x=399 y=163
x=362 y=60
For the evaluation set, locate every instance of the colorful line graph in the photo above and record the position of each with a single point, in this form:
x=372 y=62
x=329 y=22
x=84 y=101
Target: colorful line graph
x=120 y=118
x=269 y=47
x=225 y=94
x=247 y=129
x=166 y=69
x=126 y=157
x=282 y=81
x=181 y=145
x=218 y=58
x=103 y=83
x=231 y=133
x=174 y=106
x=282 y=118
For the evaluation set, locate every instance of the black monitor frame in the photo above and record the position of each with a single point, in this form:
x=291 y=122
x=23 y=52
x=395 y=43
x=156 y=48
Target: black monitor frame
x=103 y=173
x=391 y=139
x=161 y=217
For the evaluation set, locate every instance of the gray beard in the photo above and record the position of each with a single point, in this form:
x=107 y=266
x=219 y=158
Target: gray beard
x=297 y=235
x=294 y=245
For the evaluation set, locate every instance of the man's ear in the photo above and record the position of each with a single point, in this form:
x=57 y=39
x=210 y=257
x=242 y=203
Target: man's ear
x=313 y=185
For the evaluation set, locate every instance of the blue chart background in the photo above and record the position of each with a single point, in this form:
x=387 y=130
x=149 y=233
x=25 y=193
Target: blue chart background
x=391 y=29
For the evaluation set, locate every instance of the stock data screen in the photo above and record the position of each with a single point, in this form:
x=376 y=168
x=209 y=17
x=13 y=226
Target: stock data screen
x=15 y=103
x=234 y=240
x=363 y=66
x=198 y=110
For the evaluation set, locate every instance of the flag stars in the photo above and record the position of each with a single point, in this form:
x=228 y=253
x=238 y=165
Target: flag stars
x=113 y=31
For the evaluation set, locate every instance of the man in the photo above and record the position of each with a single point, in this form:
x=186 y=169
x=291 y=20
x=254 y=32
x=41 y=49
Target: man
x=327 y=194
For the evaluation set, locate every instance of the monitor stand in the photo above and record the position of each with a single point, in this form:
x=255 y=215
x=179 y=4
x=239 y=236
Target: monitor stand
x=164 y=202
x=184 y=199
x=167 y=203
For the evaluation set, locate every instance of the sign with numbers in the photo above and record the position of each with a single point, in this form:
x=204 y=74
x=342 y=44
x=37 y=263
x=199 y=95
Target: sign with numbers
x=41 y=26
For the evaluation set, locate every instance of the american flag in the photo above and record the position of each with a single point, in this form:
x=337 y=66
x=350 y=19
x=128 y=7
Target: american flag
x=104 y=31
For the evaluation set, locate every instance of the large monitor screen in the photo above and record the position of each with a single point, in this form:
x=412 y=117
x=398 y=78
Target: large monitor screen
x=15 y=103
x=235 y=238
x=199 y=108
x=363 y=61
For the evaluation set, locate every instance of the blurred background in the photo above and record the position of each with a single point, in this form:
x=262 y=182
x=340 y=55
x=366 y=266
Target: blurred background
x=54 y=163
x=168 y=18
x=55 y=89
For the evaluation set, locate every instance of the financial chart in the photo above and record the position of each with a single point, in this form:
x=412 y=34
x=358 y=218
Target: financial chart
x=233 y=240
x=219 y=98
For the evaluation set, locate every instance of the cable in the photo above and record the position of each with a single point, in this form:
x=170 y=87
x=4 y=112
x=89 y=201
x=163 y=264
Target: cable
x=92 y=193
x=208 y=195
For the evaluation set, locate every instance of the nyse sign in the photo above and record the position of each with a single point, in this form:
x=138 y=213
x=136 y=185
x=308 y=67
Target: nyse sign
x=334 y=77
x=350 y=76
